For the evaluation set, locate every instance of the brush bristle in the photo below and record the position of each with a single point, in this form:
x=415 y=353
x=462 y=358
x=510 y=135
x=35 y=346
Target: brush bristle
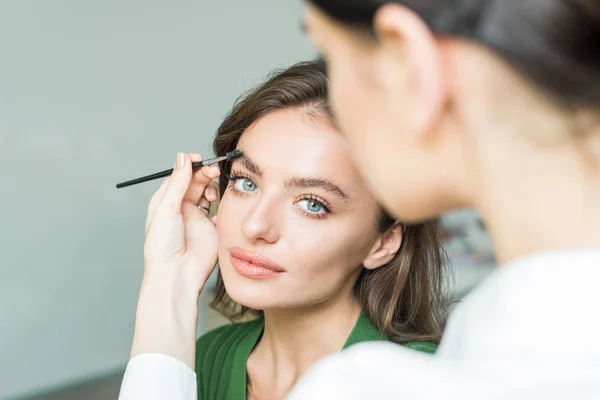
x=234 y=154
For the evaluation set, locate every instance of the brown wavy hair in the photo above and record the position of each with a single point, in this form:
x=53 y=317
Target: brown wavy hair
x=404 y=299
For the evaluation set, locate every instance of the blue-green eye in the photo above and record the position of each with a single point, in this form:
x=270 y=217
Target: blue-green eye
x=245 y=185
x=312 y=206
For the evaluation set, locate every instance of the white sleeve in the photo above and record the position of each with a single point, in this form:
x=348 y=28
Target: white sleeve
x=156 y=376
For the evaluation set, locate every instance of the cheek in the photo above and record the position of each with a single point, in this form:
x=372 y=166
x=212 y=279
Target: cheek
x=229 y=216
x=346 y=100
x=353 y=101
x=370 y=131
x=330 y=259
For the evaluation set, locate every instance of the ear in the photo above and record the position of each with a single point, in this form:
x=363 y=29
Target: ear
x=409 y=49
x=385 y=248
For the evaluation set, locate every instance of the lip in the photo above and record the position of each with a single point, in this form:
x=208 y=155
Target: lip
x=253 y=265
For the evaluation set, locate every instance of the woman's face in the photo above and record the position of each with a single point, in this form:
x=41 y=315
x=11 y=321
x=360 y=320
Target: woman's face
x=373 y=98
x=296 y=220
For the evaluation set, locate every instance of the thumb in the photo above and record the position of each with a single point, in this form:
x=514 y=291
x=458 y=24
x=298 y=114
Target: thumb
x=179 y=183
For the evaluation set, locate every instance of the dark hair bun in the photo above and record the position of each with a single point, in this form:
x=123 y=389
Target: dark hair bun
x=554 y=43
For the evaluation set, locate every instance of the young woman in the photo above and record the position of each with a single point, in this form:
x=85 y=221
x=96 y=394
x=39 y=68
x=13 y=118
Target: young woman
x=304 y=250
x=304 y=247
x=493 y=105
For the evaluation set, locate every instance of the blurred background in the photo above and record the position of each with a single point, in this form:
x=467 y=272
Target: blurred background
x=93 y=93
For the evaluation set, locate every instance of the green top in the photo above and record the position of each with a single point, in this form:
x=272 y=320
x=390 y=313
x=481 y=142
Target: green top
x=222 y=354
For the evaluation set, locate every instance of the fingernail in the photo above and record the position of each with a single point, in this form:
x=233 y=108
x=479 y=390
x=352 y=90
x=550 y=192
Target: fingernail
x=180 y=160
x=212 y=192
x=215 y=170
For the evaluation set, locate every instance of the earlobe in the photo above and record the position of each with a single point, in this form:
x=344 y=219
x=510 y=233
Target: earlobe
x=375 y=261
x=399 y=26
x=385 y=248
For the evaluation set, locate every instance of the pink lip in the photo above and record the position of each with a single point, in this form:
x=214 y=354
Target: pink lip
x=253 y=265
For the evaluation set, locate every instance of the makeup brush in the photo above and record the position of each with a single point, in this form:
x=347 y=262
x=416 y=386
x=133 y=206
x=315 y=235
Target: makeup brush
x=195 y=165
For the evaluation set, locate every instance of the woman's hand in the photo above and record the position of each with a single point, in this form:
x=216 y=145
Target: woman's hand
x=181 y=242
x=180 y=252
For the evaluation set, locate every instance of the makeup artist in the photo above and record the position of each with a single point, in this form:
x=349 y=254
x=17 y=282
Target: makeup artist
x=493 y=105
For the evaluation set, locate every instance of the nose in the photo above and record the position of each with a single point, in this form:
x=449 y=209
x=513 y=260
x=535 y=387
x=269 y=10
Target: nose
x=262 y=222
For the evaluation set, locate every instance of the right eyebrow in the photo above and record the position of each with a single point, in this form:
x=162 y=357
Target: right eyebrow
x=249 y=164
x=324 y=184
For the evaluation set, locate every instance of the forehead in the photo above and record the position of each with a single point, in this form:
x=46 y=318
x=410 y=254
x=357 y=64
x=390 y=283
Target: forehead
x=312 y=15
x=315 y=21
x=291 y=143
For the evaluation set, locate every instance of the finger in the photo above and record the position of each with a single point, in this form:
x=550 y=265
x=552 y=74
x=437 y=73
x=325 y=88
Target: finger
x=179 y=183
x=156 y=198
x=211 y=171
x=200 y=179
x=198 y=183
x=204 y=205
x=195 y=157
x=195 y=212
x=213 y=219
x=191 y=212
x=208 y=172
x=211 y=192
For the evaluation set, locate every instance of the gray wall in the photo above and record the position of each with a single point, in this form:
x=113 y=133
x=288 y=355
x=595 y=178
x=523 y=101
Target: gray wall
x=92 y=93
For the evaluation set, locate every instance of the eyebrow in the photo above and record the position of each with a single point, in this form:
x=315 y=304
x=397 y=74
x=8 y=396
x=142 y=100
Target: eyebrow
x=305 y=183
x=249 y=164
x=324 y=184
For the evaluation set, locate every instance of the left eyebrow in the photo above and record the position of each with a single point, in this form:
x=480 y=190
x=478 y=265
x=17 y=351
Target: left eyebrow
x=318 y=183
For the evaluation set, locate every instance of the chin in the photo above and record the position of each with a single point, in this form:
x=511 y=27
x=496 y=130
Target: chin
x=251 y=294
x=416 y=209
x=260 y=297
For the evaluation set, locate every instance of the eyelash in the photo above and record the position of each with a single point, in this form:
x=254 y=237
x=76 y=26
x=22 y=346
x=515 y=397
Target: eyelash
x=235 y=176
x=320 y=201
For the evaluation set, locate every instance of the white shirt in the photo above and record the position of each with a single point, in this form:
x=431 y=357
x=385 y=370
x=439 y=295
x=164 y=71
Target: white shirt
x=531 y=330
x=156 y=376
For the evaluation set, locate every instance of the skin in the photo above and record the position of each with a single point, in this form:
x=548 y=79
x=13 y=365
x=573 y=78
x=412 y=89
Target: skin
x=456 y=125
x=309 y=309
x=275 y=220
x=471 y=131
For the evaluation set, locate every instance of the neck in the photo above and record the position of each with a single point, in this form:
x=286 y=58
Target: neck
x=534 y=164
x=293 y=340
x=545 y=225
x=540 y=196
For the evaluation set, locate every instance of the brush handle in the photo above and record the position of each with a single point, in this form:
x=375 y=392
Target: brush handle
x=147 y=178
x=166 y=172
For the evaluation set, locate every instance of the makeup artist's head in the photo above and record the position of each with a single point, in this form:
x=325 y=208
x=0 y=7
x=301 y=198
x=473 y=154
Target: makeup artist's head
x=465 y=101
x=296 y=207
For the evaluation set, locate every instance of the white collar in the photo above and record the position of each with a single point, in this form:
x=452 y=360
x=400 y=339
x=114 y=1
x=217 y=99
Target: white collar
x=542 y=305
